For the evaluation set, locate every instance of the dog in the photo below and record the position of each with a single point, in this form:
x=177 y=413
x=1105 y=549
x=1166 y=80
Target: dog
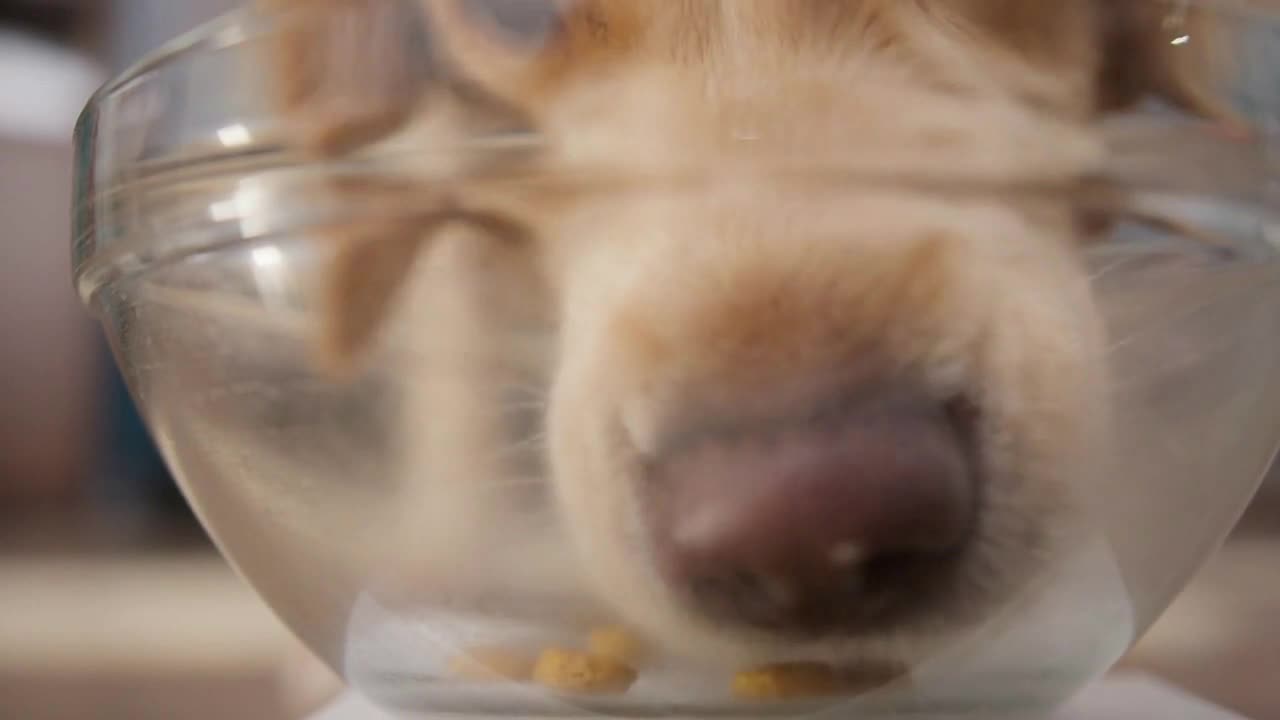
x=742 y=328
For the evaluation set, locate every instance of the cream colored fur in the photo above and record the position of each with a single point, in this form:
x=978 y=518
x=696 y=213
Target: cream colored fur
x=682 y=255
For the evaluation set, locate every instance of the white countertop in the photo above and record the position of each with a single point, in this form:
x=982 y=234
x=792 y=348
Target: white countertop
x=1118 y=698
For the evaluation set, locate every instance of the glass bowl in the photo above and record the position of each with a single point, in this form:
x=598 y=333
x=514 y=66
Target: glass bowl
x=701 y=359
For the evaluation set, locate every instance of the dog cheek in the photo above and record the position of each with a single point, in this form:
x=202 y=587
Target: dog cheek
x=1046 y=386
x=586 y=472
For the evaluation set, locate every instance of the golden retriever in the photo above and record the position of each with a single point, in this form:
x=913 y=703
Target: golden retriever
x=784 y=300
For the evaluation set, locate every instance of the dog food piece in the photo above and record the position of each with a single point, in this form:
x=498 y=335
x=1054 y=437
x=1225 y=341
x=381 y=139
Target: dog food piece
x=790 y=681
x=617 y=643
x=580 y=673
x=493 y=665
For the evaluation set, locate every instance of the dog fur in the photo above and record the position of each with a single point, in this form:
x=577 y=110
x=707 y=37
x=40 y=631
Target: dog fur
x=657 y=254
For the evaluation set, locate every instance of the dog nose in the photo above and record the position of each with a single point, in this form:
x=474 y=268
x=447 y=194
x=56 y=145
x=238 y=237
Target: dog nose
x=792 y=527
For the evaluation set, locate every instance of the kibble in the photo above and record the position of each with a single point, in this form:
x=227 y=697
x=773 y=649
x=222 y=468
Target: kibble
x=583 y=673
x=617 y=643
x=787 y=682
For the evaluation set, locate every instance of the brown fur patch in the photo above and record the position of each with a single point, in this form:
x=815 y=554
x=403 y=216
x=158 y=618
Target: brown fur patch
x=346 y=72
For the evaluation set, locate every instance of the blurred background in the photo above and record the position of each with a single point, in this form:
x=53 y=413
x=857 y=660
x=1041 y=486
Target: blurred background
x=113 y=604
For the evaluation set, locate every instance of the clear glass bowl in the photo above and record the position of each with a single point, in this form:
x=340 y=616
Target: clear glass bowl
x=536 y=359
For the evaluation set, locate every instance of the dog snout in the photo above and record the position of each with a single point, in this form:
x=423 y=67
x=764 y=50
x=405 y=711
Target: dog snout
x=808 y=524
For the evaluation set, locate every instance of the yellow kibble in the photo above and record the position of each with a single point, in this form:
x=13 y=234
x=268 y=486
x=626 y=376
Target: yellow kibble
x=617 y=643
x=493 y=664
x=787 y=682
x=580 y=673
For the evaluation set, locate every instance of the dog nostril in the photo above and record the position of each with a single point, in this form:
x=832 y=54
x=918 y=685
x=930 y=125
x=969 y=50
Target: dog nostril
x=766 y=599
x=796 y=528
x=778 y=602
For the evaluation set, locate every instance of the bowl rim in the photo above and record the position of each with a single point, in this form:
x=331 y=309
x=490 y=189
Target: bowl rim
x=222 y=32
x=230 y=31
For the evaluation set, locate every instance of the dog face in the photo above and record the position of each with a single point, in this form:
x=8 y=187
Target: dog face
x=810 y=392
